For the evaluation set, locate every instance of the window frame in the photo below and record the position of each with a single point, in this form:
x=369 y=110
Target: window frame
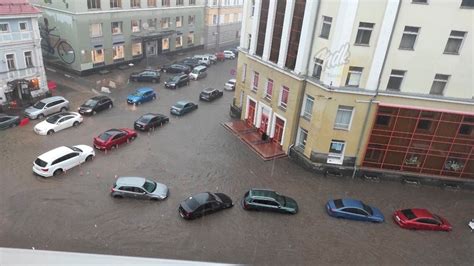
x=31 y=64
x=26 y=26
x=96 y=3
x=353 y=70
x=361 y=29
x=180 y=37
x=8 y=27
x=115 y=4
x=407 y=32
x=318 y=68
x=304 y=113
x=454 y=37
x=255 y=78
x=91 y=30
x=301 y=143
x=281 y=103
x=327 y=22
x=445 y=81
x=14 y=67
x=135 y=4
x=269 y=89
x=336 y=157
x=120 y=23
x=396 y=76
x=344 y=109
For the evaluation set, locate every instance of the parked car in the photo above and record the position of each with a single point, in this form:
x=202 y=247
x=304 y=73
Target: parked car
x=149 y=121
x=203 y=59
x=230 y=85
x=191 y=63
x=112 y=138
x=7 y=121
x=139 y=188
x=421 y=219
x=177 y=81
x=46 y=107
x=203 y=204
x=220 y=56
x=58 y=122
x=183 y=107
x=212 y=57
x=146 y=75
x=354 y=210
x=61 y=159
x=235 y=51
x=198 y=72
x=176 y=68
x=269 y=200
x=95 y=104
x=141 y=95
x=229 y=54
x=210 y=94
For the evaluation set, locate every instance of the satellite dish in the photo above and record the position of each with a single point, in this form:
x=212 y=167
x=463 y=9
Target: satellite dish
x=145 y=25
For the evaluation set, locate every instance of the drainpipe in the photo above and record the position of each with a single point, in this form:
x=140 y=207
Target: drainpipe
x=372 y=100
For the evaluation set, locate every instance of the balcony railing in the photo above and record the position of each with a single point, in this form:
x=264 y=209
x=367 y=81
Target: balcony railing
x=19 y=73
x=15 y=36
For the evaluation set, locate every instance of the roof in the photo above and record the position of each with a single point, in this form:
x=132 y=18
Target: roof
x=130 y=181
x=51 y=99
x=100 y=97
x=352 y=203
x=209 y=89
x=202 y=197
x=55 y=153
x=182 y=102
x=263 y=193
x=144 y=89
x=422 y=213
x=17 y=7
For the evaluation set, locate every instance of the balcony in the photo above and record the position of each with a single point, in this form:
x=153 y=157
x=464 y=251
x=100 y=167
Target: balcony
x=15 y=36
x=19 y=73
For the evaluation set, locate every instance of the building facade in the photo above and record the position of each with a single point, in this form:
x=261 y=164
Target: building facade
x=362 y=86
x=85 y=36
x=22 y=75
x=223 y=23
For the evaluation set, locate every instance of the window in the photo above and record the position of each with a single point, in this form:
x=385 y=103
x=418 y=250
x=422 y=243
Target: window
x=302 y=136
x=191 y=19
x=214 y=19
x=11 y=61
x=318 y=68
x=118 y=52
x=307 y=111
x=409 y=38
x=23 y=26
x=255 y=81
x=179 y=22
x=93 y=4
x=419 y=1
x=336 y=152
x=395 y=80
x=253 y=8
x=3 y=27
x=134 y=3
x=136 y=49
x=97 y=56
x=28 y=59
x=165 y=2
x=467 y=3
x=152 y=23
x=135 y=25
x=364 y=32
x=424 y=124
x=353 y=77
x=179 y=42
x=343 y=117
x=151 y=3
x=165 y=43
x=284 y=93
x=115 y=3
x=439 y=84
x=454 y=42
x=116 y=27
x=326 y=28
x=465 y=129
x=165 y=23
x=95 y=30
x=179 y=2
x=191 y=38
x=268 y=91
x=192 y=2
x=244 y=72
x=383 y=120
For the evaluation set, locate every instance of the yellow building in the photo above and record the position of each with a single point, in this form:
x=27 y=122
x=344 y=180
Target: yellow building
x=222 y=23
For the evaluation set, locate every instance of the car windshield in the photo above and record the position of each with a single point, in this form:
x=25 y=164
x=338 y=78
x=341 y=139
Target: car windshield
x=104 y=136
x=90 y=102
x=409 y=214
x=139 y=94
x=53 y=119
x=145 y=118
x=280 y=199
x=192 y=204
x=437 y=218
x=39 y=105
x=367 y=209
x=179 y=105
x=174 y=79
x=149 y=186
x=75 y=149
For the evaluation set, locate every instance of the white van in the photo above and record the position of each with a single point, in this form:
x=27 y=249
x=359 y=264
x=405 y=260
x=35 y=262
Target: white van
x=198 y=72
x=203 y=59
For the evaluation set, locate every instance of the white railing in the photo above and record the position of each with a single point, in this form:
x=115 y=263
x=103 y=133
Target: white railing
x=16 y=36
x=19 y=73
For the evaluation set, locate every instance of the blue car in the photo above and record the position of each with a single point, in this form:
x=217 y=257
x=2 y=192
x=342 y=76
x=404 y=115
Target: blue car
x=141 y=95
x=354 y=210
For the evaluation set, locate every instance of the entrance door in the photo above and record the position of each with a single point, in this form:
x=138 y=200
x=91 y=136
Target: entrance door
x=279 y=126
x=251 y=114
x=264 y=123
x=151 y=48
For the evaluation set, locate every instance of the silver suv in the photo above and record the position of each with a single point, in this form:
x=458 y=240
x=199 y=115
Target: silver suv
x=140 y=188
x=46 y=107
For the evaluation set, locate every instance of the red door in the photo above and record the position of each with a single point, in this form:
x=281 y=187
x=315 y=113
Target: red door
x=251 y=115
x=264 y=124
x=279 y=126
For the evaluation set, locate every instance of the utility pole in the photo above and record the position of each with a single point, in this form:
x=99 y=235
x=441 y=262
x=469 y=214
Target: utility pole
x=218 y=28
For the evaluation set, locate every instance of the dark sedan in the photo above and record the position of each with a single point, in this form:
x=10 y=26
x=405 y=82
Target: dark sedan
x=183 y=107
x=176 y=68
x=95 y=104
x=150 y=121
x=192 y=63
x=203 y=204
x=146 y=75
x=210 y=94
x=7 y=121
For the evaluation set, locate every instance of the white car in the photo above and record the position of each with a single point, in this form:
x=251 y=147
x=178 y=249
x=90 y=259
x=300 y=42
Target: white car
x=230 y=85
x=61 y=159
x=58 y=122
x=229 y=54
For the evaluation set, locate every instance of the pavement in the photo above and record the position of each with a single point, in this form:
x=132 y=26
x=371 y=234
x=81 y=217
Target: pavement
x=74 y=212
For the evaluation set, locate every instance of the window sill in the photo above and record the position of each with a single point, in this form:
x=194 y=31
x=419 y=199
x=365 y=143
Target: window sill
x=341 y=128
x=254 y=91
x=283 y=108
x=449 y=53
x=466 y=7
x=307 y=118
x=268 y=99
x=406 y=49
x=362 y=44
x=119 y=60
x=324 y=37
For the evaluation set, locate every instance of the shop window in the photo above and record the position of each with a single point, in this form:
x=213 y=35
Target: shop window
x=97 y=56
x=116 y=27
x=191 y=38
x=179 y=42
x=165 y=44
x=136 y=48
x=118 y=53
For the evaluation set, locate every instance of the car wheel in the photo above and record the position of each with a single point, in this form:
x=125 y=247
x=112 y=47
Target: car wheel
x=154 y=199
x=89 y=158
x=94 y=112
x=40 y=116
x=51 y=132
x=57 y=172
x=64 y=109
x=75 y=124
x=117 y=196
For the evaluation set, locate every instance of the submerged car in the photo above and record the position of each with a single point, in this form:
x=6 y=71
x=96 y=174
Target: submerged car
x=421 y=219
x=183 y=107
x=112 y=138
x=139 y=188
x=47 y=106
x=354 y=210
x=95 y=104
x=176 y=68
x=203 y=204
x=58 y=122
x=57 y=161
x=146 y=75
x=210 y=94
x=150 y=121
x=141 y=95
x=177 y=81
x=230 y=85
x=7 y=121
x=269 y=200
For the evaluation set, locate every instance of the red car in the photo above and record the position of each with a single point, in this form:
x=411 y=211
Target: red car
x=421 y=219
x=220 y=56
x=112 y=138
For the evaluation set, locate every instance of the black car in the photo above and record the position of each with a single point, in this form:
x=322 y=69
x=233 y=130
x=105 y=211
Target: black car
x=183 y=107
x=7 y=121
x=192 y=63
x=235 y=51
x=177 y=81
x=210 y=94
x=150 y=121
x=176 y=68
x=147 y=75
x=204 y=203
x=95 y=104
x=269 y=200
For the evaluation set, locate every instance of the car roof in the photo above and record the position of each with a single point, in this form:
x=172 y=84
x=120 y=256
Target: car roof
x=422 y=213
x=182 y=102
x=52 y=99
x=209 y=89
x=144 y=89
x=113 y=131
x=55 y=153
x=202 y=198
x=100 y=97
x=200 y=67
x=352 y=203
x=232 y=80
x=260 y=192
x=152 y=115
x=130 y=181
